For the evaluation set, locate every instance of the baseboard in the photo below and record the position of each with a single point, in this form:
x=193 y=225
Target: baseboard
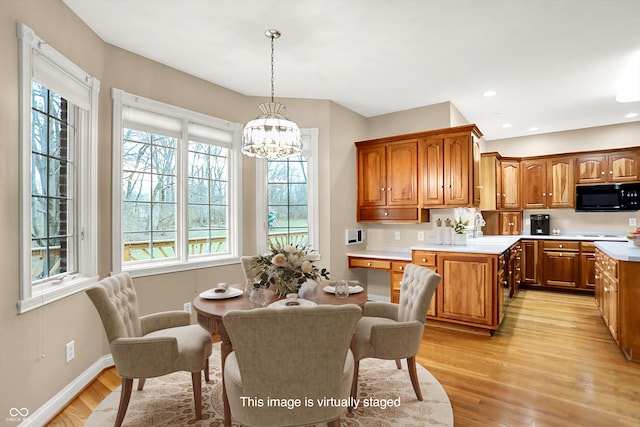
x=54 y=405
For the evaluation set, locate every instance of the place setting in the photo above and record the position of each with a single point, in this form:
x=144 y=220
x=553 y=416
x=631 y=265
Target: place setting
x=221 y=291
x=343 y=288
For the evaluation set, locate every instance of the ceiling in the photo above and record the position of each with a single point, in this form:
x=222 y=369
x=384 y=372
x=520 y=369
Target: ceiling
x=554 y=64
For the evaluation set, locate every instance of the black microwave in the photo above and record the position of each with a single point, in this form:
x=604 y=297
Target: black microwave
x=607 y=197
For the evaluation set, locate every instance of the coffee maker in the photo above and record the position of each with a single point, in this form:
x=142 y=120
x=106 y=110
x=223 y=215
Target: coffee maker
x=540 y=224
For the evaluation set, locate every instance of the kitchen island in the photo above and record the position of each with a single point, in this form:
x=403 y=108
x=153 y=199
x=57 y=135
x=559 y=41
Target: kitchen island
x=472 y=293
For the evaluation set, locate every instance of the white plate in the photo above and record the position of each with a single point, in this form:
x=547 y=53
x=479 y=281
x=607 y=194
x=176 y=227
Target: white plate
x=283 y=303
x=352 y=289
x=230 y=293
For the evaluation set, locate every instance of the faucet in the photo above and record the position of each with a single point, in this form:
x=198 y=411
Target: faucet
x=478 y=222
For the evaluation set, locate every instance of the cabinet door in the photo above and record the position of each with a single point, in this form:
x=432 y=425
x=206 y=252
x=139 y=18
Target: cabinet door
x=371 y=176
x=456 y=170
x=431 y=163
x=510 y=175
x=561 y=188
x=529 y=260
x=561 y=269
x=466 y=291
x=397 y=272
x=623 y=167
x=475 y=178
x=591 y=169
x=613 y=309
x=510 y=223
x=402 y=174
x=534 y=184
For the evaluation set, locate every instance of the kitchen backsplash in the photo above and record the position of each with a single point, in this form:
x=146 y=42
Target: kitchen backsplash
x=568 y=221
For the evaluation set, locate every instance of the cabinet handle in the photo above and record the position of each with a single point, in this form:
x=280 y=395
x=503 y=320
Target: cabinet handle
x=386 y=213
x=560 y=245
x=401 y=268
x=389 y=189
x=550 y=194
x=610 y=172
x=424 y=260
x=606 y=289
x=602 y=173
x=382 y=189
x=368 y=264
x=560 y=254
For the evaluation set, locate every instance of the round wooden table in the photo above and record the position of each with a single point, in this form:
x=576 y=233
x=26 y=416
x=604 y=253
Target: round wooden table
x=209 y=313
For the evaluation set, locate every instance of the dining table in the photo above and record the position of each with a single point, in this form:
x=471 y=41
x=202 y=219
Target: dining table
x=209 y=313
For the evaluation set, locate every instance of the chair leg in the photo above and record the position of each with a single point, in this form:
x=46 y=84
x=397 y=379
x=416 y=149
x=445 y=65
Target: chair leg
x=206 y=370
x=196 y=379
x=398 y=364
x=125 y=395
x=411 y=365
x=354 y=383
x=334 y=423
x=141 y=383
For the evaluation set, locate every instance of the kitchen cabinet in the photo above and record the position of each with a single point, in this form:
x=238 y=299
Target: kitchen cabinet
x=469 y=289
x=510 y=223
x=587 y=265
x=427 y=259
x=597 y=168
x=499 y=182
x=560 y=263
x=397 y=271
x=387 y=182
x=549 y=183
x=530 y=262
x=514 y=271
x=608 y=297
x=449 y=164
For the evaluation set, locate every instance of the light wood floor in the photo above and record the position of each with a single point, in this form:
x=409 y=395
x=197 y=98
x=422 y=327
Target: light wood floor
x=551 y=363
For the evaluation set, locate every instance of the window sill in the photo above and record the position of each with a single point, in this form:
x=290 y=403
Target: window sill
x=50 y=293
x=177 y=266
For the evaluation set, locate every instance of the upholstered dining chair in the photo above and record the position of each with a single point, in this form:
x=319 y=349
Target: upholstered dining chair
x=289 y=353
x=248 y=267
x=394 y=331
x=148 y=346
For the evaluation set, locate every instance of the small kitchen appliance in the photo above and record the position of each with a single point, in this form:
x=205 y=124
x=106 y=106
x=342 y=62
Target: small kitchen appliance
x=540 y=224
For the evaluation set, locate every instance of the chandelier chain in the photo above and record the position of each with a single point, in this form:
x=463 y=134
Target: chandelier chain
x=272 y=79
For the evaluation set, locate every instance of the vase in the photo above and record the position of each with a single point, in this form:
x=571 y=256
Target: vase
x=460 y=239
x=283 y=287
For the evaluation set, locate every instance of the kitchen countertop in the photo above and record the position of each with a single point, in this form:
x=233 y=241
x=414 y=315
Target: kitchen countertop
x=621 y=251
x=614 y=245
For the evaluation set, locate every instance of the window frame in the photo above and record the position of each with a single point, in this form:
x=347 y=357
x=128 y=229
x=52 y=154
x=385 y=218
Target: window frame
x=41 y=60
x=182 y=261
x=310 y=151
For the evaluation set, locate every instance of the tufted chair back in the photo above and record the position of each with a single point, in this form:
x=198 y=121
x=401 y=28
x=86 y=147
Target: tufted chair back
x=116 y=301
x=416 y=290
x=248 y=267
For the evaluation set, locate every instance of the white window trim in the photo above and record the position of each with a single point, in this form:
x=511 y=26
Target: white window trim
x=310 y=150
x=32 y=48
x=181 y=262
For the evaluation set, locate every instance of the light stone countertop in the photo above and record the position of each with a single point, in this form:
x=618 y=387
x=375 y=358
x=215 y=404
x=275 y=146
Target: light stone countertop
x=621 y=251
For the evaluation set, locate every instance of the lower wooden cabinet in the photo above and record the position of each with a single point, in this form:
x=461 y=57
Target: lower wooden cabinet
x=561 y=263
x=397 y=271
x=469 y=291
x=428 y=259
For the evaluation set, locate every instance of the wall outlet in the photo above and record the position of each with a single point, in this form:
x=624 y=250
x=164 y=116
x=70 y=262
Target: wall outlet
x=187 y=307
x=70 y=350
x=397 y=235
x=632 y=222
x=420 y=236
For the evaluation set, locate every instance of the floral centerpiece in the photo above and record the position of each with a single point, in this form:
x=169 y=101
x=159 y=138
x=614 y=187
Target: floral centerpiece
x=286 y=268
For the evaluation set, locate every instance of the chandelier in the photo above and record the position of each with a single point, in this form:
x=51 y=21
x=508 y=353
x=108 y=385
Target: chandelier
x=271 y=135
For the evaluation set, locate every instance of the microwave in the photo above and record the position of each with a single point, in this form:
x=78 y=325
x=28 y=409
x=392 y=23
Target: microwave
x=607 y=197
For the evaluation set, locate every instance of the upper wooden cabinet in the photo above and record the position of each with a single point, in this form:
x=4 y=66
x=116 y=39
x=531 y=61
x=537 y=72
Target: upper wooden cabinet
x=449 y=165
x=548 y=183
x=388 y=182
x=499 y=183
x=399 y=177
x=612 y=167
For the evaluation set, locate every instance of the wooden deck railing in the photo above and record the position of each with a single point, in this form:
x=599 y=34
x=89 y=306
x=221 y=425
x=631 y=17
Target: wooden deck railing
x=134 y=251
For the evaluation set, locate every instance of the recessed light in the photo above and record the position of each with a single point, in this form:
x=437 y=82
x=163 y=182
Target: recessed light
x=490 y=93
x=533 y=129
x=506 y=125
x=631 y=115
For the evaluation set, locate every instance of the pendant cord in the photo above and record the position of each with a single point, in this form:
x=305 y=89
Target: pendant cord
x=272 y=80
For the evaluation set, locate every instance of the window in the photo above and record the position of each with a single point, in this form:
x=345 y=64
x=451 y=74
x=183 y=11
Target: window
x=178 y=173
x=287 y=210
x=58 y=136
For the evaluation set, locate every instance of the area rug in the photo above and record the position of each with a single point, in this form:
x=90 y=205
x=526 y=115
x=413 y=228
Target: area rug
x=168 y=401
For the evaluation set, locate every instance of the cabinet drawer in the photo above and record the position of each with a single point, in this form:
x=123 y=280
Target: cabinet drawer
x=381 y=264
x=587 y=247
x=398 y=266
x=392 y=214
x=560 y=245
x=424 y=258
